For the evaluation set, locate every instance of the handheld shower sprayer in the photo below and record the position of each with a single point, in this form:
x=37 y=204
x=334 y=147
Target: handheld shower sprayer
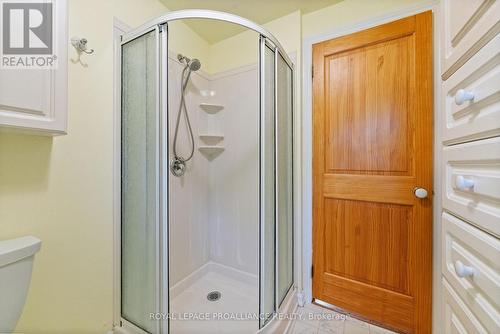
x=178 y=163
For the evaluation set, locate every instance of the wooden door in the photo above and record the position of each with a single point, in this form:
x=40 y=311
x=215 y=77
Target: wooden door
x=372 y=146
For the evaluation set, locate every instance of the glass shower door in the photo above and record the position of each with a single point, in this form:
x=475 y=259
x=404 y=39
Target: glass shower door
x=284 y=169
x=276 y=145
x=139 y=182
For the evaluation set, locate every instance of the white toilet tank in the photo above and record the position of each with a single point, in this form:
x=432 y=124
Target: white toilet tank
x=16 y=262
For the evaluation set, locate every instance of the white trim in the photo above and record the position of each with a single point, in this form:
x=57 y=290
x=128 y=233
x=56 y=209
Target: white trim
x=119 y=28
x=276 y=181
x=297 y=177
x=371 y=22
x=307 y=140
x=437 y=307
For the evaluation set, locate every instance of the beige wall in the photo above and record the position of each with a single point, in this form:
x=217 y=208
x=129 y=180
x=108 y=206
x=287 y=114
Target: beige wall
x=242 y=49
x=290 y=29
x=348 y=12
x=60 y=189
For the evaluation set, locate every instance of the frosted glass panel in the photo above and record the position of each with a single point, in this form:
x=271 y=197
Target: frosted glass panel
x=139 y=180
x=285 y=178
x=267 y=271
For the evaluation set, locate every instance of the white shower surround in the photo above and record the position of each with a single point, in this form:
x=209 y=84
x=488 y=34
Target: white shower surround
x=188 y=221
x=234 y=175
x=214 y=207
x=214 y=210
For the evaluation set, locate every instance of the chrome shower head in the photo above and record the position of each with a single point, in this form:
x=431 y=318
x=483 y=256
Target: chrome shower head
x=194 y=65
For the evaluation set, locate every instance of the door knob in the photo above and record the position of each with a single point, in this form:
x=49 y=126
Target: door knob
x=420 y=192
x=462 y=270
x=462 y=96
x=463 y=184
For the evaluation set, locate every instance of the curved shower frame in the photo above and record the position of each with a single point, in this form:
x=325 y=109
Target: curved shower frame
x=204 y=14
x=159 y=25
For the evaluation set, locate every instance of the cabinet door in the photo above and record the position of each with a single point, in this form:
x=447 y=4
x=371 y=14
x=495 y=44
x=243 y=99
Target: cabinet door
x=36 y=99
x=477 y=118
x=458 y=319
x=471 y=265
x=471 y=183
x=467 y=26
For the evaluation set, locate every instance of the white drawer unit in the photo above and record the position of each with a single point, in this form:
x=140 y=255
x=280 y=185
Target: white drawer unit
x=471 y=265
x=458 y=319
x=471 y=182
x=466 y=27
x=471 y=103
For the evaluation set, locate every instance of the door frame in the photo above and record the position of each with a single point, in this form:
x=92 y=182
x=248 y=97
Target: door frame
x=307 y=133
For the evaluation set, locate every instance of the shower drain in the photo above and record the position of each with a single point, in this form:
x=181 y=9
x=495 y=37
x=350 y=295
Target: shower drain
x=213 y=296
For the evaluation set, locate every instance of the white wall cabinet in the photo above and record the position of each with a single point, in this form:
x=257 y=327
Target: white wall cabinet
x=36 y=100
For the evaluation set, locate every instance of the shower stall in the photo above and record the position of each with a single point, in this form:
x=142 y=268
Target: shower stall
x=207 y=243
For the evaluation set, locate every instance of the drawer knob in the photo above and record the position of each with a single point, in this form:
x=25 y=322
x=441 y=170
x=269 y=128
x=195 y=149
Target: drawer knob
x=420 y=192
x=462 y=270
x=463 y=95
x=463 y=184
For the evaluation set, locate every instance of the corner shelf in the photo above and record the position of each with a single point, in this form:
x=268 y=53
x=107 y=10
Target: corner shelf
x=211 y=139
x=211 y=151
x=211 y=108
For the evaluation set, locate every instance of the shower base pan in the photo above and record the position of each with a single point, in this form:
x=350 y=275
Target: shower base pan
x=227 y=314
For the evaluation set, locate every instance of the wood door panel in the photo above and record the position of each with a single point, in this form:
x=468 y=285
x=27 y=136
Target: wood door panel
x=367 y=109
x=380 y=305
x=391 y=30
x=372 y=146
x=368 y=242
x=397 y=189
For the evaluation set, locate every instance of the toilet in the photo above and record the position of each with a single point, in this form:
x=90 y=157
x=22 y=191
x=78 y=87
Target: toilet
x=16 y=262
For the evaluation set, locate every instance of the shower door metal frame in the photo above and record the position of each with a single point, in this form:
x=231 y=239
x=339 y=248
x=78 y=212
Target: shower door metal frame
x=263 y=43
x=164 y=229
x=160 y=25
x=161 y=39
